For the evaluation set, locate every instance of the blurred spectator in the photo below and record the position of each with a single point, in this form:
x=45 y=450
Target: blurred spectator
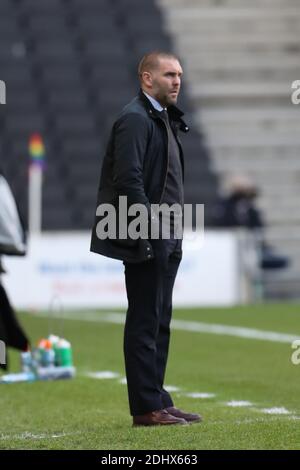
x=238 y=209
x=12 y=243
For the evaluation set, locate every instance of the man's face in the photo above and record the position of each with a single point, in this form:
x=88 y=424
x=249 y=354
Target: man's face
x=164 y=81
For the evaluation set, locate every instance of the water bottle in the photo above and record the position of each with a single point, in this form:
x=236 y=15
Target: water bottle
x=19 y=377
x=26 y=361
x=63 y=353
x=46 y=353
x=56 y=373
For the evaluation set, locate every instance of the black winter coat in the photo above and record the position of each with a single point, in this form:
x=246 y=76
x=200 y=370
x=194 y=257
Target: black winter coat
x=136 y=165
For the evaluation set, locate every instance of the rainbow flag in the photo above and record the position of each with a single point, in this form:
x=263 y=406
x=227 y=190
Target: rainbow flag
x=36 y=150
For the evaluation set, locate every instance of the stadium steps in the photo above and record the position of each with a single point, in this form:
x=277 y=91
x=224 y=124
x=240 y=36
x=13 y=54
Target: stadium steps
x=240 y=59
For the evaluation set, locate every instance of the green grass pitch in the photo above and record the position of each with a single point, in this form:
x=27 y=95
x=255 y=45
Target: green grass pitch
x=87 y=413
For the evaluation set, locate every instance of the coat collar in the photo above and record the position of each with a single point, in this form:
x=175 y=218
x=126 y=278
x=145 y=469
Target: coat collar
x=175 y=114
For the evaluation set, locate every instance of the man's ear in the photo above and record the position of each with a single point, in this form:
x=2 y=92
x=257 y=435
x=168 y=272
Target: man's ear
x=147 y=78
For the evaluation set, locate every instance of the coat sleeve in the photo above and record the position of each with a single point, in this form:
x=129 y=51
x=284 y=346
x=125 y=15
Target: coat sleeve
x=131 y=136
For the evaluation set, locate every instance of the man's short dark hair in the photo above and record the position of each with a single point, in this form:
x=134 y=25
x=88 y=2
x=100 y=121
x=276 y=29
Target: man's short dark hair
x=150 y=61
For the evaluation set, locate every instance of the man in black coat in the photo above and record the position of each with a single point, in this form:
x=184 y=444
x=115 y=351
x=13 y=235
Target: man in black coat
x=144 y=163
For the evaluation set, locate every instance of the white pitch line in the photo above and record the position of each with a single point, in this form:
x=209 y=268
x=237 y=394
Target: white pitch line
x=239 y=403
x=172 y=388
x=182 y=325
x=276 y=411
x=201 y=395
x=32 y=436
x=102 y=374
x=238 y=331
x=265 y=419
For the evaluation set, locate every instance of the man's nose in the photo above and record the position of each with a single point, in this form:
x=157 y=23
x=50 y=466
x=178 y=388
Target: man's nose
x=176 y=81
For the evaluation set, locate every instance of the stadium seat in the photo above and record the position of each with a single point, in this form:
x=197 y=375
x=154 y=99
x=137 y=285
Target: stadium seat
x=42 y=25
x=8 y=27
x=55 y=49
x=26 y=123
x=16 y=74
x=64 y=99
x=70 y=67
x=42 y=6
x=60 y=76
x=72 y=124
x=19 y=100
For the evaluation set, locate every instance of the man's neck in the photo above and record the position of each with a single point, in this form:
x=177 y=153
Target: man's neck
x=156 y=104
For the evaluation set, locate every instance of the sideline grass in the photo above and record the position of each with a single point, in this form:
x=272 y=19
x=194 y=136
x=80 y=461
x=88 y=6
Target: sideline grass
x=85 y=413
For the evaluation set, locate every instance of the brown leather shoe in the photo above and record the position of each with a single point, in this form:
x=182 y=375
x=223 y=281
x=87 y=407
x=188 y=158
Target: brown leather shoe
x=189 y=417
x=155 y=418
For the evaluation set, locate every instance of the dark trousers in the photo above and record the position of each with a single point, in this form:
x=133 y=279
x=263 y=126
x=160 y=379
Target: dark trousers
x=11 y=331
x=149 y=288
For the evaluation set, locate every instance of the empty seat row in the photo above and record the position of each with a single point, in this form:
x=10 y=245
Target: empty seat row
x=70 y=67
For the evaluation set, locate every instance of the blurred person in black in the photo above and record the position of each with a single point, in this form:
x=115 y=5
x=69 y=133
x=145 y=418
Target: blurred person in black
x=11 y=331
x=239 y=209
x=144 y=162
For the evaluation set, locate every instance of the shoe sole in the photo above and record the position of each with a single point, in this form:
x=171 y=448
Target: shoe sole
x=194 y=421
x=162 y=424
